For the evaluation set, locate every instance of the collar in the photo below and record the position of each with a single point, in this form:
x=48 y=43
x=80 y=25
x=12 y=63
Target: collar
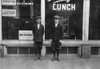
x=38 y=24
x=56 y=24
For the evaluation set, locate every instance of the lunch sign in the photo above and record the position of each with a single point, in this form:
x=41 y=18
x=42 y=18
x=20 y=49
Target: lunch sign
x=57 y=5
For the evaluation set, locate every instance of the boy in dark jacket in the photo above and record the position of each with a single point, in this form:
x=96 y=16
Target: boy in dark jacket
x=56 y=36
x=38 y=31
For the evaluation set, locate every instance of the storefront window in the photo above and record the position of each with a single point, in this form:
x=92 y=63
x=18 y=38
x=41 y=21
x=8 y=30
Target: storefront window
x=19 y=16
x=94 y=23
x=71 y=14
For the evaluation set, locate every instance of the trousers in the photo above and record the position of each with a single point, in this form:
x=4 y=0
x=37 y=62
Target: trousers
x=37 y=47
x=55 y=45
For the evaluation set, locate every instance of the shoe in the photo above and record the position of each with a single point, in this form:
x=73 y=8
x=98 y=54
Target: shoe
x=35 y=59
x=39 y=59
x=53 y=59
x=58 y=60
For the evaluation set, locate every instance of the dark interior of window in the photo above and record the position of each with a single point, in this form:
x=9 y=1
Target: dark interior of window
x=94 y=23
x=12 y=25
x=71 y=19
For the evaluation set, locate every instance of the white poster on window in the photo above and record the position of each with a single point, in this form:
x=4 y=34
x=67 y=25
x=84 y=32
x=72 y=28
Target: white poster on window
x=25 y=35
x=9 y=12
x=8 y=2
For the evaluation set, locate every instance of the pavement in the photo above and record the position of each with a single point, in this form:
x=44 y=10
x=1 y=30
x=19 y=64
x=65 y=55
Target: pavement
x=67 y=62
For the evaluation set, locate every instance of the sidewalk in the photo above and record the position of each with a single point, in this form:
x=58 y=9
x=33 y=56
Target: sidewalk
x=27 y=62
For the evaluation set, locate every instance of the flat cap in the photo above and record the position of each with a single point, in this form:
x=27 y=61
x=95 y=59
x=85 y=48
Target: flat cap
x=57 y=17
x=38 y=17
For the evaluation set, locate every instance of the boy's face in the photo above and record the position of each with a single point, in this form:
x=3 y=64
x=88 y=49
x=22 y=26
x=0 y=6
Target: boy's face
x=56 y=21
x=38 y=21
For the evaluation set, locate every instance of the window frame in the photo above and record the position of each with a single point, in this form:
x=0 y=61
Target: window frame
x=85 y=22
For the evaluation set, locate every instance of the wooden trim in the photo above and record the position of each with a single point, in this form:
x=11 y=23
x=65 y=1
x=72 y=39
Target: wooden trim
x=65 y=43
x=43 y=15
x=0 y=21
x=86 y=10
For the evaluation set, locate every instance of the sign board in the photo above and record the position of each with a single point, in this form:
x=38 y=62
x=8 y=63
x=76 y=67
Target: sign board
x=9 y=12
x=25 y=3
x=25 y=35
x=63 y=5
x=8 y=2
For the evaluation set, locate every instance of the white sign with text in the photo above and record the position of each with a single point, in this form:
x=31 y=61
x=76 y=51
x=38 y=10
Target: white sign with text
x=8 y=2
x=9 y=12
x=25 y=35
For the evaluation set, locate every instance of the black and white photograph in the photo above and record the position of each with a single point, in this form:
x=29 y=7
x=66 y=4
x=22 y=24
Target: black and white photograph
x=49 y=34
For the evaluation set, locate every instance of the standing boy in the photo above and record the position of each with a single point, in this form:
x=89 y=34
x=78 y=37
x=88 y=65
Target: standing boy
x=56 y=36
x=38 y=31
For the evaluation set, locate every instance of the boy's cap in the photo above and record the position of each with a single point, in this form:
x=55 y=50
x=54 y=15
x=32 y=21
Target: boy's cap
x=38 y=17
x=57 y=17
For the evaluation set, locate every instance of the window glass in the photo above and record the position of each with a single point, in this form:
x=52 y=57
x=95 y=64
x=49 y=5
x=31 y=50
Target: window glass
x=19 y=17
x=71 y=14
x=94 y=23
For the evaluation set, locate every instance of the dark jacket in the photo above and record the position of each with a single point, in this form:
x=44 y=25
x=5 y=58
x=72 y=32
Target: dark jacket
x=56 y=32
x=38 y=33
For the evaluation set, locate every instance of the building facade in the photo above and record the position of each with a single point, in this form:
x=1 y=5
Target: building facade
x=79 y=18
